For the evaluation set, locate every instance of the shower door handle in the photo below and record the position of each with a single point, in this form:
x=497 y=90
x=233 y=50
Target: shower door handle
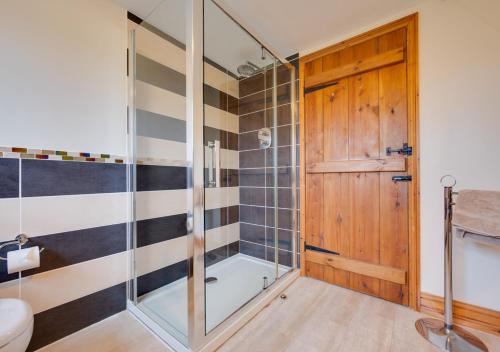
x=214 y=164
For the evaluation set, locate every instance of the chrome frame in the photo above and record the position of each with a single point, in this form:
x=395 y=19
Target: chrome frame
x=198 y=339
x=195 y=157
x=293 y=138
x=275 y=168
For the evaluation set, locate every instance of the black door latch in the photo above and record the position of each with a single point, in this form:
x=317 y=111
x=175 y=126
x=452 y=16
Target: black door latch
x=406 y=150
x=402 y=178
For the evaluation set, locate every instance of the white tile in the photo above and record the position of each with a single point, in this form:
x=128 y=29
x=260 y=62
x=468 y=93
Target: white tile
x=159 y=101
x=233 y=87
x=156 y=148
x=229 y=159
x=154 y=204
x=221 y=120
x=160 y=255
x=53 y=288
x=221 y=197
x=160 y=50
x=9 y=218
x=54 y=214
x=221 y=236
x=10 y=289
x=215 y=77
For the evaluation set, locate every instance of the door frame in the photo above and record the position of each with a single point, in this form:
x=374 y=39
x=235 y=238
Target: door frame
x=411 y=24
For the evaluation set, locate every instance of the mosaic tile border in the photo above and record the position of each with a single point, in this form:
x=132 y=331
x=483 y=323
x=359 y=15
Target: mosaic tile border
x=62 y=155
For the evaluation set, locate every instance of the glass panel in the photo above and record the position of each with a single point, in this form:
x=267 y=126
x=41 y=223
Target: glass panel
x=160 y=167
x=240 y=162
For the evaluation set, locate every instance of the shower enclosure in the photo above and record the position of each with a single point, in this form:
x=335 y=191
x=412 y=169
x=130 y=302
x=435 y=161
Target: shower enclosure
x=212 y=145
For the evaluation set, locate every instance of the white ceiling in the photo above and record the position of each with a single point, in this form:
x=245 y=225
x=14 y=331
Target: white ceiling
x=225 y=42
x=285 y=26
x=292 y=26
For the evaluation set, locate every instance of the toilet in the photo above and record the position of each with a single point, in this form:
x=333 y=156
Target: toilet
x=16 y=325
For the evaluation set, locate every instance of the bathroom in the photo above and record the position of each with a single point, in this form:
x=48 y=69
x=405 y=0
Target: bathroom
x=164 y=187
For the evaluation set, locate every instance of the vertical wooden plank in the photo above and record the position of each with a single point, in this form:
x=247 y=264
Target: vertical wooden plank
x=336 y=121
x=363 y=116
x=314 y=183
x=393 y=196
x=365 y=222
x=393 y=234
x=393 y=107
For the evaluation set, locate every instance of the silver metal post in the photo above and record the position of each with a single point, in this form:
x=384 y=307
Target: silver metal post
x=275 y=166
x=448 y=253
x=445 y=335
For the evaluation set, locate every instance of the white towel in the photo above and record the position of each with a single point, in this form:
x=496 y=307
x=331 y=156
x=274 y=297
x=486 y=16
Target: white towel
x=478 y=213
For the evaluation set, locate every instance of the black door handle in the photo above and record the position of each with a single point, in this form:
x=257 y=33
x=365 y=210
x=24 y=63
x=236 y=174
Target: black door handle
x=402 y=178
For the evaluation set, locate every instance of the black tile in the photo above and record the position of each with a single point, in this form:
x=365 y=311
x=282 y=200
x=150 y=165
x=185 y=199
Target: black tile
x=252 y=122
x=251 y=84
x=53 y=178
x=232 y=141
x=229 y=177
x=160 y=229
x=72 y=247
x=252 y=215
x=253 y=177
x=282 y=72
x=284 y=257
x=252 y=159
x=252 y=103
x=215 y=218
x=3 y=265
x=253 y=233
x=161 y=277
x=216 y=255
x=284 y=197
x=249 y=141
x=284 y=116
x=233 y=104
x=161 y=76
x=252 y=196
x=233 y=248
x=284 y=177
x=211 y=134
x=284 y=238
x=283 y=95
x=284 y=157
x=9 y=178
x=55 y=323
x=253 y=250
x=157 y=178
x=221 y=217
x=285 y=218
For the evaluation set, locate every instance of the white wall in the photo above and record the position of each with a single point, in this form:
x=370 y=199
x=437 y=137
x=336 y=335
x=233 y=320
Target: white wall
x=63 y=75
x=459 y=135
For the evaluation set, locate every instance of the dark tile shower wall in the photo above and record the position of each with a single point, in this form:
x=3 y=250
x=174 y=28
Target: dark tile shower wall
x=256 y=180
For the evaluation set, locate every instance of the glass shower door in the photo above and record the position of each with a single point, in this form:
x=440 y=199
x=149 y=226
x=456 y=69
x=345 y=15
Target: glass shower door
x=247 y=159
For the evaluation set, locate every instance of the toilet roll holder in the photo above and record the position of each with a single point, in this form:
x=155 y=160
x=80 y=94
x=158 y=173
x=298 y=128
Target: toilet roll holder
x=20 y=240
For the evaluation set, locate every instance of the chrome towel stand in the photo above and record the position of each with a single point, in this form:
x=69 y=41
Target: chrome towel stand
x=20 y=240
x=446 y=335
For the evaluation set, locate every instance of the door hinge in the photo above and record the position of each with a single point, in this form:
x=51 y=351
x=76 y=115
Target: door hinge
x=319 y=249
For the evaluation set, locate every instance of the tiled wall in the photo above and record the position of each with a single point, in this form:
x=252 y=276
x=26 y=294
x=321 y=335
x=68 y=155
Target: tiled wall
x=257 y=167
x=77 y=211
x=161 y=151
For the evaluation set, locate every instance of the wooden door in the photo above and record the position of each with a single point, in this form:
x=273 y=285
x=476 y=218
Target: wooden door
x=357 y=219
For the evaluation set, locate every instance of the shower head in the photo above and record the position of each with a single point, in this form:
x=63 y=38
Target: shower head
x=248 y=69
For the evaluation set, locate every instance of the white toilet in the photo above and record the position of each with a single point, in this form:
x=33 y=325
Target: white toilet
x=16 y=325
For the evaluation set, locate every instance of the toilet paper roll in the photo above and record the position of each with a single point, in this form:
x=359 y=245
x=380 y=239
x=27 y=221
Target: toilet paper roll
x=23 y=259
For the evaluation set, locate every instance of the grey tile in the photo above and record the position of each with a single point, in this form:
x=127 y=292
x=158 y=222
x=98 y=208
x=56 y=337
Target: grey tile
x=252 y=159
x=159 y=126
x=252 y=103
x=248 y=141
x=253 y=250
x=52 y=178
x=161 y=76
x=252 y=177
x=253 y=233
x=252 y=214
x=157 y=178
x=252 y=196
x=55 y=323
x=252 y=122
x=161 y=277
x=9 y=178
x=251 y=84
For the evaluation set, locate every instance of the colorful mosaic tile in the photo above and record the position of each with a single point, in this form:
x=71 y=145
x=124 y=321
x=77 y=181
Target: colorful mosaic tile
x=46 y=154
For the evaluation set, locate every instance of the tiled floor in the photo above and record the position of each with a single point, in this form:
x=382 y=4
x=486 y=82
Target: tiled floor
x=315 y=317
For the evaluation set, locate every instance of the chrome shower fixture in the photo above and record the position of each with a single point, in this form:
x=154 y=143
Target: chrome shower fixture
x=248 y=69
